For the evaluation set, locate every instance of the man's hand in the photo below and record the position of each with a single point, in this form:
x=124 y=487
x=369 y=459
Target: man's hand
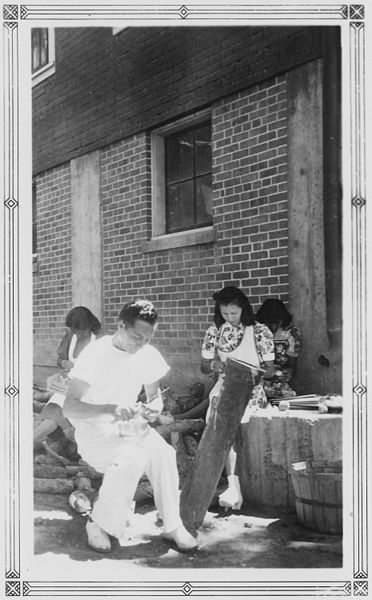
x=125 y=413
x=149 y=413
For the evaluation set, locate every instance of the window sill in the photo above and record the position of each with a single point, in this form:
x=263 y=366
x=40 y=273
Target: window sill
x=178 y=240
x=43 y=73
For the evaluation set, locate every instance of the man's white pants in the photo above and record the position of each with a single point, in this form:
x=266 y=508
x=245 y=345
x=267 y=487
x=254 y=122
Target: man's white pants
x=123 y=462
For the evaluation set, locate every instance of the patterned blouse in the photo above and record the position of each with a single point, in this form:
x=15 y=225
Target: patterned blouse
x=227 y=338
x=287 y=343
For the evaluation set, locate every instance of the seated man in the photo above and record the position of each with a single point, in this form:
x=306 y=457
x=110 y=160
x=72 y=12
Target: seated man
x=112 y=430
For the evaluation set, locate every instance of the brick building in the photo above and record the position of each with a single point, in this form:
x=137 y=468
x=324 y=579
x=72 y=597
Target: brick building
x=171 y=161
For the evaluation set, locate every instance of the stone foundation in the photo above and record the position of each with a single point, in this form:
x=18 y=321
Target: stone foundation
x=272 y=440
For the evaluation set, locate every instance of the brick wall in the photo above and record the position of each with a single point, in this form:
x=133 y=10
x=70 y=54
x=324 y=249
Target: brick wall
x=108 y=87
x=249 y=137
x=250 y=190
x=52 y=280
x=249 y=148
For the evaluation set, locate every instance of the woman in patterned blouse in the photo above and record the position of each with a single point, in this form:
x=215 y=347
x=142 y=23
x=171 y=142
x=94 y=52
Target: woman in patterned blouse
x=287 y=341
x=235 y=334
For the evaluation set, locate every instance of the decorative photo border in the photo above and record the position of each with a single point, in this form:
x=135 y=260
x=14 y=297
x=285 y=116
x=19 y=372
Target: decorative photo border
x=15 y=582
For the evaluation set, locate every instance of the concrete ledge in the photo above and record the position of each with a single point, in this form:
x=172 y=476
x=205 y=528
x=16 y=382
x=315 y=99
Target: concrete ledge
x=272 y=440
x=205 y=235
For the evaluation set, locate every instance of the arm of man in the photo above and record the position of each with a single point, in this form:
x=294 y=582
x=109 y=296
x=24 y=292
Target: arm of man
x=154 y=402
x=75 y=408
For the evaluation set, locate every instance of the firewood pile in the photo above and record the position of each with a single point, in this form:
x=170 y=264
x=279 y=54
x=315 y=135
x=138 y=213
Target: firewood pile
x=59 y=470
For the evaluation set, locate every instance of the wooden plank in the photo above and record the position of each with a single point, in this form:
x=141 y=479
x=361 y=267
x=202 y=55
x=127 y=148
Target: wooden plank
x=53 y=486
x=50 y=472
x=215 y=444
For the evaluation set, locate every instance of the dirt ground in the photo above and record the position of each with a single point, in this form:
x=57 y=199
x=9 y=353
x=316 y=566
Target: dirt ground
x=250 y=538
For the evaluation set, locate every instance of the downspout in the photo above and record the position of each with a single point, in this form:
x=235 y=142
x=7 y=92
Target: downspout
x=332 y=205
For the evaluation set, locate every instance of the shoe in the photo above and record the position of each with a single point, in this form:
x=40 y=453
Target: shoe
x=98 y=539
x=232 y=497
x=182 y=538
x=80 y=502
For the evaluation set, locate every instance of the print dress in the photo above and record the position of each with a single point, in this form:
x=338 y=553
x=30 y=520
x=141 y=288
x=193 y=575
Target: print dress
x=252 y=344
x=287 y=344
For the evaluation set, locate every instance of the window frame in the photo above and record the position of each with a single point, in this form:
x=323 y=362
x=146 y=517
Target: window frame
x=116 y=30
x=50 y=68
x=158 y=180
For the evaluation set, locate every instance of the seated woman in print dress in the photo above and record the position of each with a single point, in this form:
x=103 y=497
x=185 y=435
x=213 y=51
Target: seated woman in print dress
x=287 y=341
x=82 y=328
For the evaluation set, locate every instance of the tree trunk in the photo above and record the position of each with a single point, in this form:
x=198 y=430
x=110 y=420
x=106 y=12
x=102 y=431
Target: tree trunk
x=215 y=444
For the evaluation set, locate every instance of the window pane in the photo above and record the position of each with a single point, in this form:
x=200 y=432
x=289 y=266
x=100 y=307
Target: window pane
x=43 y=47
x=203 y=200
x=203 y=151
x=180 y=212
x=40 y=54
x=35 y=49
x=179 y=156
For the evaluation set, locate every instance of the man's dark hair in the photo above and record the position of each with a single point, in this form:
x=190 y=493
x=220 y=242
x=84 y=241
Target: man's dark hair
x=273 y=311
x=138 y=309
x=232 y=295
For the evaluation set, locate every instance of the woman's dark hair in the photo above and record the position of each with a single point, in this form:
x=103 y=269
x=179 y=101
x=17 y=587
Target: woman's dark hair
x=273 y=311
x=232 y=295
x=138 y=309
x=81 y=318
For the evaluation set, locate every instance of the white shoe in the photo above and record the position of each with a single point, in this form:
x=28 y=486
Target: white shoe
x=232 y=497
x=98 y=539
x=182 y=538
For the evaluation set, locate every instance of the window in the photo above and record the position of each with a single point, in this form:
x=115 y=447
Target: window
x=182 y=176
x=42 y=53
x=188 y=178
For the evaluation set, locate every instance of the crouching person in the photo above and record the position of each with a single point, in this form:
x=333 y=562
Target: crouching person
x=112 y=429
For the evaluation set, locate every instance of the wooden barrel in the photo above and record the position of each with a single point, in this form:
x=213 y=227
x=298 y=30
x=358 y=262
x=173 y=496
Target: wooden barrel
x=318 y=493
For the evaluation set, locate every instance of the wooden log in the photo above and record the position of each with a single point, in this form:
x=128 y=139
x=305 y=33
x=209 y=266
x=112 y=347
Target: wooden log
x=48 y=500
x=53 y=486
x=215 y=444
x=43 y=459
x=180 y=426
x=90 y=472
x=50 y=472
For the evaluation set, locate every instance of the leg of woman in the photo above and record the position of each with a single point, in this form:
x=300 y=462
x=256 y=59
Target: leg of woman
x=230 y=465
x=232 y=497
x=53 y=416
x=43 y=430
